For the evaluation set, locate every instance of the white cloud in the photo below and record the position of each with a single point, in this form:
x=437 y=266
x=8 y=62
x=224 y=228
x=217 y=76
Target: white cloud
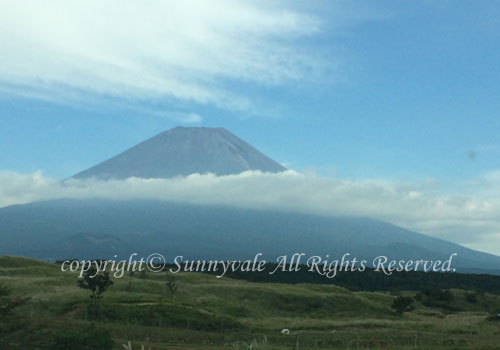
x=190 y=118
x=188 y=51
x=472 y=220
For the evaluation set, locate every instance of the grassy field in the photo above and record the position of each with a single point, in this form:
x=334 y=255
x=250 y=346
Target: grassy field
x=211 y=313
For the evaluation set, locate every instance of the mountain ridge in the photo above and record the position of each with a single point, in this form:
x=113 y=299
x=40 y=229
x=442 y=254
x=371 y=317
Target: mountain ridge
x=91 y=228
x=182 y=151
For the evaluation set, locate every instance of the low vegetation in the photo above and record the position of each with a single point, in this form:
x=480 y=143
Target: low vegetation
x=49 y=310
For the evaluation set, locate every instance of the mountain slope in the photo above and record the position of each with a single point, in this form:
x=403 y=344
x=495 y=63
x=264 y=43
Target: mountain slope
x=182 y=151
x=63 y=229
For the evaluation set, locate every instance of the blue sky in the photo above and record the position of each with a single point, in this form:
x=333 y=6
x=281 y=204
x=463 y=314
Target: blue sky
x=399 y=93
x=404 y=91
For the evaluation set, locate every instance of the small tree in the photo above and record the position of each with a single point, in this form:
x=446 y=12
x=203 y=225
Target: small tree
x=171 y=285
x=402 y=304
x=471 y=297
x=130 y=275
x=435 y=297
x=143 y=274
x=97 y=284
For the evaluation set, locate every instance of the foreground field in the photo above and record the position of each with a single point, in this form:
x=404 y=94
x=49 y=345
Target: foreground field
x=210 y=313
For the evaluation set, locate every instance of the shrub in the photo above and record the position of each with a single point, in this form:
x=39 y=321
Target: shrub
x=402 y=304
x=471 y=298
x=89 y=338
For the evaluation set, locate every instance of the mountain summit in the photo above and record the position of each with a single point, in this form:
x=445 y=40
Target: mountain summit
x=183 y=151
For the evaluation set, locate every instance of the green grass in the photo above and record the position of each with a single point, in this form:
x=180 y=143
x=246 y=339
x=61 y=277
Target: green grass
x=211 y=313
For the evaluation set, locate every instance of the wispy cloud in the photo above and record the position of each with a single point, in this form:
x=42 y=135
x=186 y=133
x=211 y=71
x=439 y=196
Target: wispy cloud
x=188 y=51
x=472 y=220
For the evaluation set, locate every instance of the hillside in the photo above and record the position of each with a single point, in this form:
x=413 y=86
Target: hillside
x=65 y=229
x=210 y=313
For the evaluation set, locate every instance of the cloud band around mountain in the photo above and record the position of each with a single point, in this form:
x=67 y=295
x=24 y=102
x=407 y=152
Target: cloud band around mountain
x=471 y=220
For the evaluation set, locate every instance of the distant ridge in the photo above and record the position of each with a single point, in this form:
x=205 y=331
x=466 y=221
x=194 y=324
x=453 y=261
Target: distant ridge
x=99 y=228
x=183 y=151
